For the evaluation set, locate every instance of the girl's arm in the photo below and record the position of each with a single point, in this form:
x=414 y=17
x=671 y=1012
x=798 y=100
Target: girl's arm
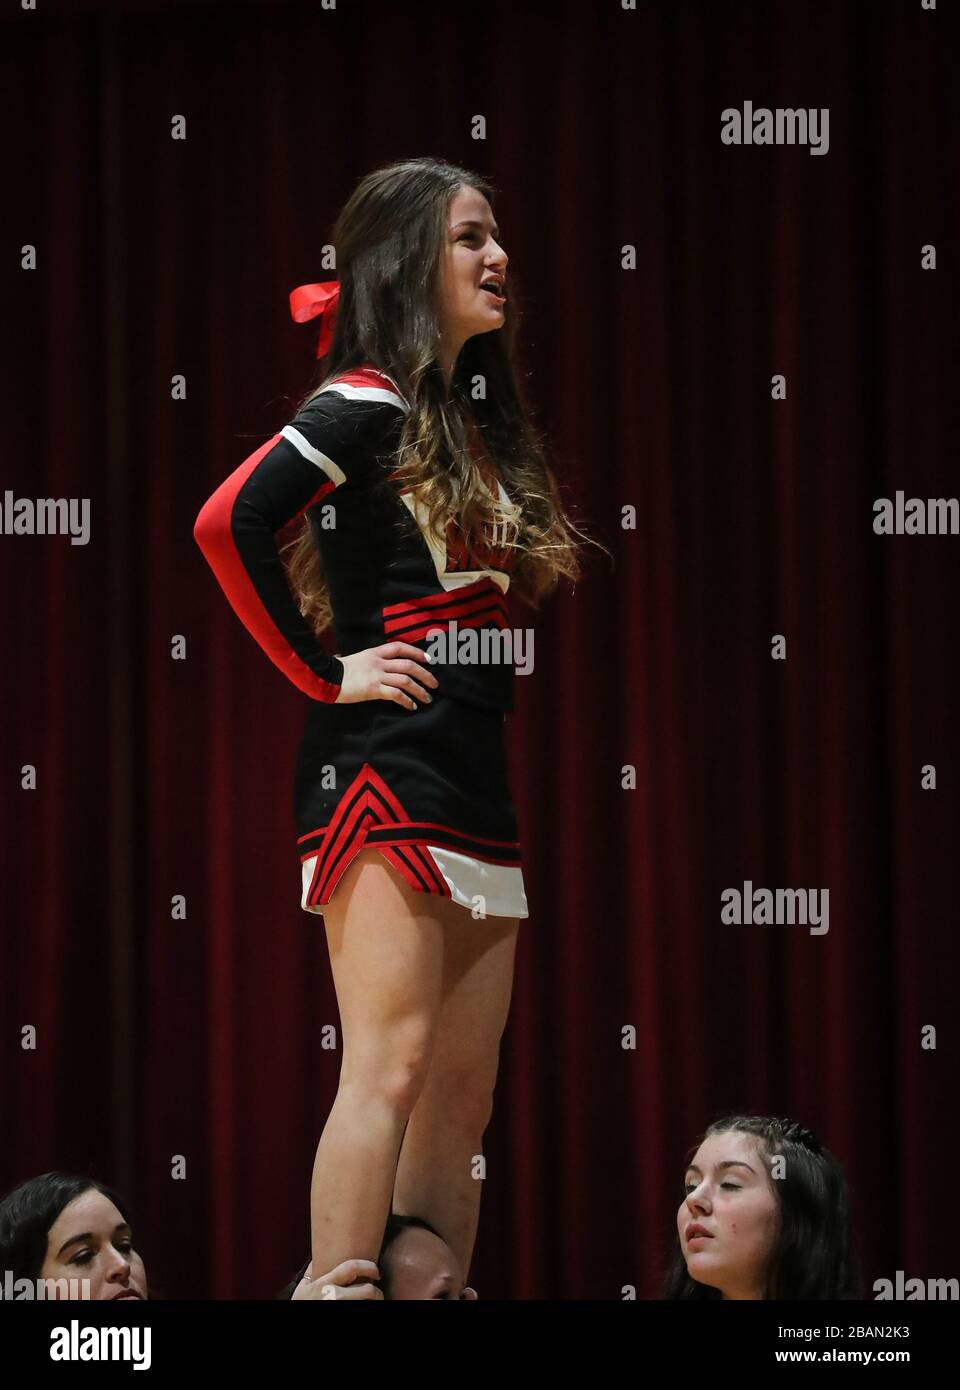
x=330 y=442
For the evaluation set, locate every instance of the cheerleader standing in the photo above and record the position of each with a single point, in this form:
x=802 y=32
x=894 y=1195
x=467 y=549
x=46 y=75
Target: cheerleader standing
x=421 y=500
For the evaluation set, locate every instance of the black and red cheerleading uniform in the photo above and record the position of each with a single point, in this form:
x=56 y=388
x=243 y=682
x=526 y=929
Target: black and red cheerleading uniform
x=428 y=786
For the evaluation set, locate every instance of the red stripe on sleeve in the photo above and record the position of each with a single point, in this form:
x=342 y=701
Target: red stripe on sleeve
x=213 y=533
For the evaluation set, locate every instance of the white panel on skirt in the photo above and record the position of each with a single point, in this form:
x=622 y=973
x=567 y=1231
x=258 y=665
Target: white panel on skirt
x=501 y=885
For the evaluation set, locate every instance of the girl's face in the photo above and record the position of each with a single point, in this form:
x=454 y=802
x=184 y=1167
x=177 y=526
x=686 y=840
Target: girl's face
x=472 y=256
x=729 y=1221
x=91 y=1240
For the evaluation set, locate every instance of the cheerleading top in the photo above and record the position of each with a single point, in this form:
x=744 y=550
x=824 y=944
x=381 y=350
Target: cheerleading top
x=385 y=583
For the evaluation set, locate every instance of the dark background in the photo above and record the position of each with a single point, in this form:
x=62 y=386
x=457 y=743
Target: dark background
x=160 y=777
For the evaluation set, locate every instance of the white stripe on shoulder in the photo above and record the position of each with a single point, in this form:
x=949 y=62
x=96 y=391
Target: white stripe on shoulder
x=365 y=393
x=303 y=446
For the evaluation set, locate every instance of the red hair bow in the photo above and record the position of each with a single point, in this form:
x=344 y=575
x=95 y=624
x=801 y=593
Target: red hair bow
x=307 y=301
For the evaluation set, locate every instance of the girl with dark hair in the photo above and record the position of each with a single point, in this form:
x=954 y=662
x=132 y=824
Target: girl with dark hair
x=61 y=1227
x=765 y=1215
x=424 y=495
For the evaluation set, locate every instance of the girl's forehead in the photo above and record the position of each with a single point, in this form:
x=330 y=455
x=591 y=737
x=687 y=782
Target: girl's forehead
x=730 y=1146
x=91 y=1207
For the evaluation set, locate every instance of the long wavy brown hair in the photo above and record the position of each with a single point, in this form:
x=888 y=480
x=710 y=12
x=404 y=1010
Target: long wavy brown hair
x=389 y=241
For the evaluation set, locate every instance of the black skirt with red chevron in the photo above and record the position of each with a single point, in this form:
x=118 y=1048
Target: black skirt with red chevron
x=428 y=787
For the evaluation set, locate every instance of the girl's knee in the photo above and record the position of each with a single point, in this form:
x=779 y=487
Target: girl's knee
x=394 y=1074
x=462 y=1100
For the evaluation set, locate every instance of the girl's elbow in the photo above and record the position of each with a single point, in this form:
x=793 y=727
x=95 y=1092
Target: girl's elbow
x=210 y=527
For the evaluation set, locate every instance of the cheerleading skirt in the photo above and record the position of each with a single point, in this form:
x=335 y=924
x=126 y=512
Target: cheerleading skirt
x=427 y=787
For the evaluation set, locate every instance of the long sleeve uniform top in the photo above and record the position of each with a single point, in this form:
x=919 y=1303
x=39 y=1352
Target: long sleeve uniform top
x=330 y=463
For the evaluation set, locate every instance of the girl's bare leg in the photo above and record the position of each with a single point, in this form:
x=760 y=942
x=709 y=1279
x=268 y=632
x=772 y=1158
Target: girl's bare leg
x=386 y=946
x=435 y=1173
